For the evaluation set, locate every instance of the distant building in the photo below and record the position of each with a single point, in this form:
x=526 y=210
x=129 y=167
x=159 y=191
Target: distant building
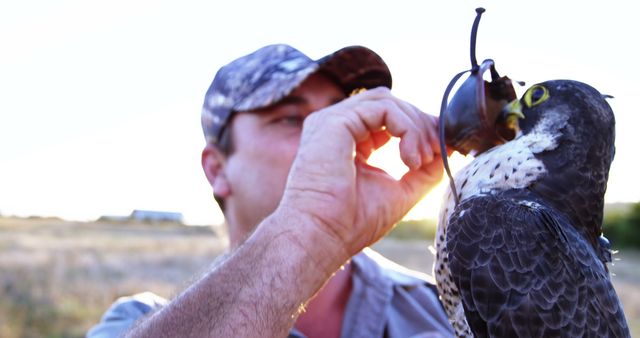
x=156 y=216
x=113 y=218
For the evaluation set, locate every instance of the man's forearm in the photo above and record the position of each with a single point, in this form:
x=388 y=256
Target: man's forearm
x=259 y=289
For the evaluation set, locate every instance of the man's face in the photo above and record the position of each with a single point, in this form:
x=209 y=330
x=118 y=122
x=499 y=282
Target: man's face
x=265 y=143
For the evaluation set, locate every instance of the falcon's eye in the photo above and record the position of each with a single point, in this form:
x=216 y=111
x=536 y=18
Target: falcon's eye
x=535 y=95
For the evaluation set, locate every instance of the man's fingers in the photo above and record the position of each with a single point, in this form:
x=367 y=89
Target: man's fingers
x=427 y=125
x=416 y=183
x=375 y=115
x=373 y=142
x=380 y=138
x=426 y=128
x=430 y=124
x=385 y=113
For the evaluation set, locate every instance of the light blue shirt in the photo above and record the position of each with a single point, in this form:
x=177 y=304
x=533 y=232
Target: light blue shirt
x=387 y=300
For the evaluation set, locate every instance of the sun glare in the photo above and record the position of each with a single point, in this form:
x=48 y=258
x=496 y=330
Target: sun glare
x=388 y=159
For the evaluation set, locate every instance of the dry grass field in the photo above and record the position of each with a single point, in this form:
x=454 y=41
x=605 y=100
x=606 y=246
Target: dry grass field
x=58 y=277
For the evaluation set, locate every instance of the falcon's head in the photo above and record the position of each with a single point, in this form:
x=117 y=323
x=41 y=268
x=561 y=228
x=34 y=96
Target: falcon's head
x=579 y=123
x=558 y=103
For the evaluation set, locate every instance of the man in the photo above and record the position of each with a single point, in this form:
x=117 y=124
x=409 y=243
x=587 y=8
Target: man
x=286 y=157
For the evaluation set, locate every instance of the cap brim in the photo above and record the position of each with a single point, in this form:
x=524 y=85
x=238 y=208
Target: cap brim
x=356 y=67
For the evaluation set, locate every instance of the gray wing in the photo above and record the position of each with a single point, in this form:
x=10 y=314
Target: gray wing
x=522 y=270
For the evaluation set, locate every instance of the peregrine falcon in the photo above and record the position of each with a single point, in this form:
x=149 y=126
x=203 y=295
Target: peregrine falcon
x=522 y=254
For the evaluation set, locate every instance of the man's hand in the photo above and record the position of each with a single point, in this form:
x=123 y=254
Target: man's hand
x=351 y=202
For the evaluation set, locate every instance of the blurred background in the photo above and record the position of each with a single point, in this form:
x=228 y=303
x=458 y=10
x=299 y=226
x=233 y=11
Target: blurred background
x=100 y=117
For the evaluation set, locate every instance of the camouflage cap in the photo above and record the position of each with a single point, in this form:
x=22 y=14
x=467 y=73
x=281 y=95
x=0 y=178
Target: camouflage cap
x=264 y=77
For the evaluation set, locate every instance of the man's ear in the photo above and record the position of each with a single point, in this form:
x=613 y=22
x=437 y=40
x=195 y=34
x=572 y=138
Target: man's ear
x=213 y=162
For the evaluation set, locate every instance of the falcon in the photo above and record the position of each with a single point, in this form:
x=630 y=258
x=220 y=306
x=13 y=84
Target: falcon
x=519 y=247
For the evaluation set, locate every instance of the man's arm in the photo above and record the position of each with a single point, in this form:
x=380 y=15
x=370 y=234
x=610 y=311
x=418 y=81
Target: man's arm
x=333 y=206
x=259 y=288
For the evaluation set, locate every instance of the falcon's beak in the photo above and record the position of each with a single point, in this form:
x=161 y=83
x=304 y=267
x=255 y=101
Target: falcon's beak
x=507 y=124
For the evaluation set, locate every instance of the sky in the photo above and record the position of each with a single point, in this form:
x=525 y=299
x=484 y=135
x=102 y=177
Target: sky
x=100 y=101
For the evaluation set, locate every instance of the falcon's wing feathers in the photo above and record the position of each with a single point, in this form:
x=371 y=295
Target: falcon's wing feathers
x=522 y=270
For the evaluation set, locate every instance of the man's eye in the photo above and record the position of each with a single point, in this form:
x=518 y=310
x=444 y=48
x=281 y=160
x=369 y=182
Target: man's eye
x=293 y=120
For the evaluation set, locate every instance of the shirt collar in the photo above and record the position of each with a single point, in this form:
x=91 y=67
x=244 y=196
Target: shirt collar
x=375 y=268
